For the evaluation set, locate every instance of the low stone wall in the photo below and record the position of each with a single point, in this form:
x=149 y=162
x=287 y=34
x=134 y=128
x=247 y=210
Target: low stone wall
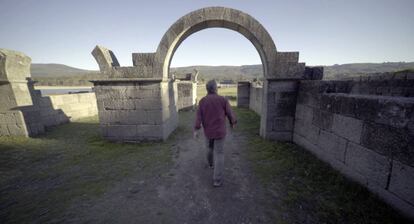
x=369 y=138
x=187 y=95
x=256 y=95
x=75 y=106
x=243 y=94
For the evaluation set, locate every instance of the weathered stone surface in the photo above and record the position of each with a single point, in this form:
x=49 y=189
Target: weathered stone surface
x=332 y=144
x=388 y=141
x=313 y=73
x=216 y=17
x=105 y=58
x=14 y=66
x=402 y=181
x=322 y=119
x=371 y=165
x=304 y=113
x=283 y=124
x=347 y=127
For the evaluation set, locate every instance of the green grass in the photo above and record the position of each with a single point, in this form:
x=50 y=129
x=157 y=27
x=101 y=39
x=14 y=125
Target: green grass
x=71 y=162
x=305 y=188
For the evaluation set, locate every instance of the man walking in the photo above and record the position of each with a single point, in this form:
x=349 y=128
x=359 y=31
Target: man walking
x=211 y=114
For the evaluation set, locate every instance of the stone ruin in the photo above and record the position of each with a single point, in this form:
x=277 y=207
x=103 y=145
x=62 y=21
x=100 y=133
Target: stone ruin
x=140 y=102
x=363 y=127
x=24 y=111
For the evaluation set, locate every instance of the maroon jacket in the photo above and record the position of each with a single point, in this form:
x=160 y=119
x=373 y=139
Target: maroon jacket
x=212 y=112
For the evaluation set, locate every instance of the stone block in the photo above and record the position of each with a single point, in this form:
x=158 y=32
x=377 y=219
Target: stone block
x=283 y=108
x=313 y=73
x=308 y=131
x=322 y=119
x=14 y=66
x=282 y=124
x=4 y=131
x=331 y=103
x=347 y=127
x=402 y=181
x=282 y=86
x=371 y=165
x=17 y=130
x=312 y=100
x=366 y=108
x=149 y=104
x=143 y=59
x=395 y=111
x=105 y=58
x=332 y=144
x=389 y=141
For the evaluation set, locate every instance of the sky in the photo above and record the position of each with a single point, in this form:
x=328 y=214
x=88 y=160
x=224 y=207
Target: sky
x=325 y=32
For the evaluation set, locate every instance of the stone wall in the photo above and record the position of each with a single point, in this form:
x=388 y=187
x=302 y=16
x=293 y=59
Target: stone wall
x=187 y=95
x=363 y=129
x=243 y=94
x=24 y=111
x=132 y=111
x=256 y=96
x=75 y=106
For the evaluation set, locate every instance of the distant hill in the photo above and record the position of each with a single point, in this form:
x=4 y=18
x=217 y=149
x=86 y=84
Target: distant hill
x=56 y=71
x=330 y=72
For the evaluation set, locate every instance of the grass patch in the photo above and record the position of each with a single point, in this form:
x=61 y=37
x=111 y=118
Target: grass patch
x=306 y=190
x=71 y=162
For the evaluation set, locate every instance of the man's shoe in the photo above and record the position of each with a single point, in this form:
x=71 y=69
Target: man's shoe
x=217 y=183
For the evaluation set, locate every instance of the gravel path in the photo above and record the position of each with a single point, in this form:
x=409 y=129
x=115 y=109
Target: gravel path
x=185 y=194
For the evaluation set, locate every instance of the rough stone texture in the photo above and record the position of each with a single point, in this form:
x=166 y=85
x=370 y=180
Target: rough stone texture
x=187 y=91
x=347 y=127
x=332 y=144
x=313 y=73
x=140 y=110
x=216 y=17
x=278 y=107
x=362 y=131
x=402 y=181
x=105 y=58
x=370 y=164
x=14 y=71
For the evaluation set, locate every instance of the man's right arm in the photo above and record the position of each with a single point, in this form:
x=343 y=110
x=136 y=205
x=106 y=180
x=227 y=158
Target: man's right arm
x=230 y=115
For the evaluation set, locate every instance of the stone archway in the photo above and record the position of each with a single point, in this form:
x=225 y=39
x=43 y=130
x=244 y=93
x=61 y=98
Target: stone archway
x=146 y=96
x=218 y=17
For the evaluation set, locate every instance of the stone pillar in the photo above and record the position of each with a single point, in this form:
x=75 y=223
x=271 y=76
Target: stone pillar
x=132 y=105
x=243 y=94
x=14 y=92
x=279 y=97
x=14 y=71
x=134 y=110
x=278 y=109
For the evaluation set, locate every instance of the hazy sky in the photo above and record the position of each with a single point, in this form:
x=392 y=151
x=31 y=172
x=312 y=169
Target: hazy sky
x=323 y=31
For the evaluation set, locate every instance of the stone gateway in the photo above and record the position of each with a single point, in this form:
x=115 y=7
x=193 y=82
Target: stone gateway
x=140 y=102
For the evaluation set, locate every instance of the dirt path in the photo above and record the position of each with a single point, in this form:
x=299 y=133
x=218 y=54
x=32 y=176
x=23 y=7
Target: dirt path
x=185 y=194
